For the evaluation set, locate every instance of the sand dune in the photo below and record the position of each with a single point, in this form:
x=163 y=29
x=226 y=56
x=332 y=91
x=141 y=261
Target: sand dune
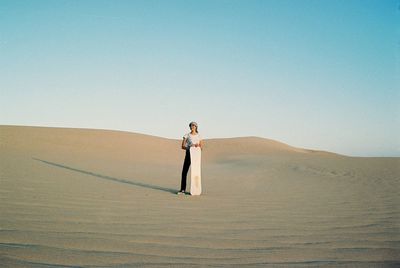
x=100 y=198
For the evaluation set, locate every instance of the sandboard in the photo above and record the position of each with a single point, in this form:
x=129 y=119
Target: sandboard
x=195 y=170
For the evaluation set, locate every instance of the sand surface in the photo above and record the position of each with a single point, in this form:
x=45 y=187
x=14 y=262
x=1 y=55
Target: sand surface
x=98 y=198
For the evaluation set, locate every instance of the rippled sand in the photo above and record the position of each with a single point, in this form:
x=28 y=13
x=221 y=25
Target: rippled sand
x=88 y=198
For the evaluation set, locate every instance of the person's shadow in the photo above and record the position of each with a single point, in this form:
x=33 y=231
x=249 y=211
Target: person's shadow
x=135 y=183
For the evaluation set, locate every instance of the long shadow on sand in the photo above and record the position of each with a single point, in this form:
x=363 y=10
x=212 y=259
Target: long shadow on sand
x=135 y=183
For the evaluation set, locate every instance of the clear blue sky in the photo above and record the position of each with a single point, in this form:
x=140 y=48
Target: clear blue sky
x=313 y=74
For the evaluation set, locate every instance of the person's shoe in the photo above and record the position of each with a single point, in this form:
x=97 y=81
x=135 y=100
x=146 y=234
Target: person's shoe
x=181 y=192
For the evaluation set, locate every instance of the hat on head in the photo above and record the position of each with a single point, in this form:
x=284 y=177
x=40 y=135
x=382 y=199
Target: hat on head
x=193 y=123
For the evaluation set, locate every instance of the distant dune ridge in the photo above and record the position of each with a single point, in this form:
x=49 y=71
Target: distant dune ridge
x=85 y=198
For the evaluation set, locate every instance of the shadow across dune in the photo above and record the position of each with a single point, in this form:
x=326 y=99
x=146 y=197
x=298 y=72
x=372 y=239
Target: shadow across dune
x=135 y=183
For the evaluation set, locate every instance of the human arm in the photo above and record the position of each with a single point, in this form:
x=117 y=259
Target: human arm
x=183 y=144
x=200 y=144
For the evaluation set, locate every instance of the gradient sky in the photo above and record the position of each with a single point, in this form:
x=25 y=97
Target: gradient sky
x=313 y=74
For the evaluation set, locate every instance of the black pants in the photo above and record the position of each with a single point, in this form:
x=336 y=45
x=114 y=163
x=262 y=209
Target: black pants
x=185 y=169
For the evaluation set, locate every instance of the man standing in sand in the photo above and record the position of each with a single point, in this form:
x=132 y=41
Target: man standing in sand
x=190 y=139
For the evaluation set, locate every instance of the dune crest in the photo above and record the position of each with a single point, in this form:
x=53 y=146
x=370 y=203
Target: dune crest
x=30 y=137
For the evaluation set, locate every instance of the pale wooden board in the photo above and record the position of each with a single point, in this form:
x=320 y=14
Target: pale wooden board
x=195 y=171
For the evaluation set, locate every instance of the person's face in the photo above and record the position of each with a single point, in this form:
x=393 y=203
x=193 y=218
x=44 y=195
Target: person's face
x=193 y=127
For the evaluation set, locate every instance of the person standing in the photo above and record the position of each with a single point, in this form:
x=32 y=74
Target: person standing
x=190 y=139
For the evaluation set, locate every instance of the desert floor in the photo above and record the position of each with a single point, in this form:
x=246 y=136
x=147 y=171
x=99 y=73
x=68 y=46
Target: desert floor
x=100 y=198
